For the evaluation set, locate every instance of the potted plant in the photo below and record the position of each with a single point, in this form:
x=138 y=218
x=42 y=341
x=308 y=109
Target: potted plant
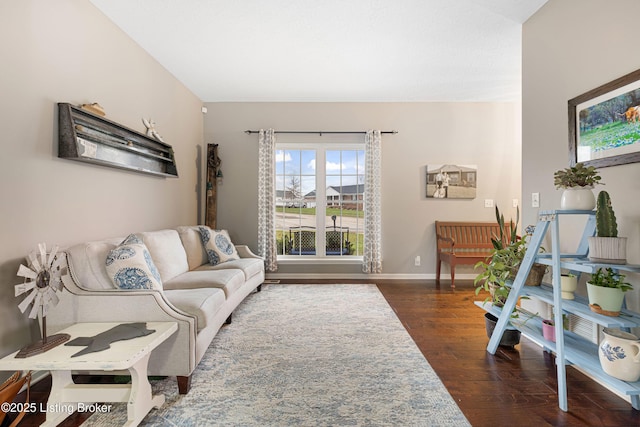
x=568 y=285
x=577 y=182
x=606 y=291
x=496 y=270
x=606 y=246
x=549 y=328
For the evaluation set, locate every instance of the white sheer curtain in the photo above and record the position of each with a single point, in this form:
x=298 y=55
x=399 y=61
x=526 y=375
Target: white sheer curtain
x=372 y=257
x=266 y=199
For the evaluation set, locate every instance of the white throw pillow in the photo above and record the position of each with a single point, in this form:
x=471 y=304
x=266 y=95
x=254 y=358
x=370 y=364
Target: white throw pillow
x=218 y=246
x=129 y=265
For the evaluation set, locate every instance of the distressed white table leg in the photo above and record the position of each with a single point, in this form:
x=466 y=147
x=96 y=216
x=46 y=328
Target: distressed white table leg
x=141 y=400
x=58 y=409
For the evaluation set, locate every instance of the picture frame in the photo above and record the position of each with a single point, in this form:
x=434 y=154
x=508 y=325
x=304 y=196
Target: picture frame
x=451 y=181
x=604 y=124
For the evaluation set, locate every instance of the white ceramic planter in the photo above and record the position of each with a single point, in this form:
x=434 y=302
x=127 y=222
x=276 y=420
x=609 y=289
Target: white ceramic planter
x=609 y=250
x=568 y=284
x=578 y=198
x=607 y=301
x=619 y=354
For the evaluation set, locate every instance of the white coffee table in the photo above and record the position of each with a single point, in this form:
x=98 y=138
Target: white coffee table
x=67 y=397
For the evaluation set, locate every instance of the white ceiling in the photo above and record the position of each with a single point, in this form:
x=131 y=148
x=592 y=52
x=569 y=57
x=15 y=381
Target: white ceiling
x=333 y=50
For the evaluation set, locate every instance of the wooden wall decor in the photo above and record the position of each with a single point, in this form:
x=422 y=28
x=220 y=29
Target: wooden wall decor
x=87 y=137
x=213 y=164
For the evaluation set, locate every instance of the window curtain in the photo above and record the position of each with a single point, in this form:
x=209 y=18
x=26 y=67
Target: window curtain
x=266 y=199
x=372 y=257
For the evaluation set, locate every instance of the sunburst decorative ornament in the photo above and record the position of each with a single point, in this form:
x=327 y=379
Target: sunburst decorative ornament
x=43 y=277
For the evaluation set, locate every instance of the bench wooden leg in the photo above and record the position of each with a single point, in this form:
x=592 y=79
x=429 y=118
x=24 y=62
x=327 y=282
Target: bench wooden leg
x=438 y=264
x=453 y=274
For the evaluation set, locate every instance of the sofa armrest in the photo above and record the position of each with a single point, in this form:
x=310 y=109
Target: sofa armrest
x=245 y=252
x=78 y=304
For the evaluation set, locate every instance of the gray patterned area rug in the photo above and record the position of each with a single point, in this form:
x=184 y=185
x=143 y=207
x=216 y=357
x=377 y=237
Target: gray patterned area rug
x=307 y=355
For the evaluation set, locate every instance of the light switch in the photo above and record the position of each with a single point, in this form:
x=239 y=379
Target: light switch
x=535 y=200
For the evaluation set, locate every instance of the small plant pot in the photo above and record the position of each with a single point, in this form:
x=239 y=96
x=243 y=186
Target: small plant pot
x=549 y=330
x=568 y=285
x=608 y=250
x=535 y=276
x=578 y=198
x=606 y=301
x=510 y=337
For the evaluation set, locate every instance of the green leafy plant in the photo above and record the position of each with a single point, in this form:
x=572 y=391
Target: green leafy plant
x=503 y=263
x=606 y=225
x=508 y=231
x=607 y=278
x=576 y=176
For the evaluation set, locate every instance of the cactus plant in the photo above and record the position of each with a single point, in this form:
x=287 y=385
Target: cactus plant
x=606 y=225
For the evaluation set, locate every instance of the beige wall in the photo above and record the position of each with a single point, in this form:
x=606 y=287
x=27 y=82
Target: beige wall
x=569 y=48
x=67 y=51
x=485 y=134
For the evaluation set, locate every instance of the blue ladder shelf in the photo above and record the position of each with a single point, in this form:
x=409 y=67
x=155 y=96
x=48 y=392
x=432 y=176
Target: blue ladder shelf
x=569 y=347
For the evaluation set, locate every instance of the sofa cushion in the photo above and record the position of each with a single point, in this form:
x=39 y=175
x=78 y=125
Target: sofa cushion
x=249 y=266
x=192 y=242
x=129 y=265
x=203 y=303
x=228 y=280
x=167 y=252
x=87 y=263
x=218 y=246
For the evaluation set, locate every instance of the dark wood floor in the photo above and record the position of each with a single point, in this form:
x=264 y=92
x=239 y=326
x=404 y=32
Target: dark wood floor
x=514 y=387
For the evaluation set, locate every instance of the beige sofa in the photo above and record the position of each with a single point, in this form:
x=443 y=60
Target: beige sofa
x=197 y=296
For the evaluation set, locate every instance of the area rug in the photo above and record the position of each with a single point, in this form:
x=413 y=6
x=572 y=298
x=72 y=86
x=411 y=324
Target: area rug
x=307 y=355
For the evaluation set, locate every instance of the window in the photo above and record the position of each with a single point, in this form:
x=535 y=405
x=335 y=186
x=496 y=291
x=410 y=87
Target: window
x=319 y=187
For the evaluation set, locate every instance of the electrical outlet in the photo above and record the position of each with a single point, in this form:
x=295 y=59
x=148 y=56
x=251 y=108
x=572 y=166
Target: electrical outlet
x=488 y=203
x=535 y=200
x=417 y=261
x=514 y=203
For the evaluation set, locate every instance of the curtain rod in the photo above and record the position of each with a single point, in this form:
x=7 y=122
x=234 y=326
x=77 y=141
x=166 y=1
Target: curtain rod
x=320 y=132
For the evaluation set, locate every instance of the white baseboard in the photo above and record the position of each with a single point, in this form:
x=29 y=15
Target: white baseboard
x=364 y=276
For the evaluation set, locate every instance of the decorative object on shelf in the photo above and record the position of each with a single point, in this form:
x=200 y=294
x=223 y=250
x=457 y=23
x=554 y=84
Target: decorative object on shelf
x=568 y=285
x=606 y=139
x=606 y=246
x=94 y=108
x=43 y=277
x=89 y=138
x=606 y=292
x=151 y=129
x=577 y=182
x=619 y=354
x=549 y=330
x=510 y=337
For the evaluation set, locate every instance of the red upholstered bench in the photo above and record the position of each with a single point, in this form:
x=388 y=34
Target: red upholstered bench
x=463 y=243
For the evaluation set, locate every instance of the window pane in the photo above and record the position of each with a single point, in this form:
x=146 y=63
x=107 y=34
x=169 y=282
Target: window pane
x=295 y=202
x=344 y=216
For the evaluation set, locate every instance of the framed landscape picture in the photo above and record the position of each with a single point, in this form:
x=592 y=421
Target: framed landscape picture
x=451 y=181
x=604 y=124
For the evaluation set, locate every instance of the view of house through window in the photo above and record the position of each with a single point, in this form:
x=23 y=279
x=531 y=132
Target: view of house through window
x=319 y=200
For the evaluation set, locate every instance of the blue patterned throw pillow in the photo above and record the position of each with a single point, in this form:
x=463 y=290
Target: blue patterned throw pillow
x=130 y=266
x=218 y=246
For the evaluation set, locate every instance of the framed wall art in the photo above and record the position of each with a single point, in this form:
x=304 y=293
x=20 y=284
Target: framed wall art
x=604 y=124
x=451 y=181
